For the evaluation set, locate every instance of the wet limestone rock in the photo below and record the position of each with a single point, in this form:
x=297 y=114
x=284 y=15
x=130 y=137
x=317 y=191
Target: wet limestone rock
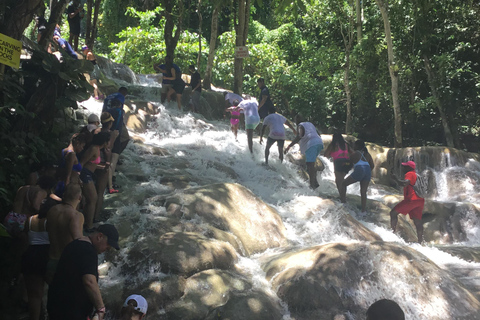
x=205 y=291
x=233 y=208
x=317 y=278
x=182 y=253
x=253 y=305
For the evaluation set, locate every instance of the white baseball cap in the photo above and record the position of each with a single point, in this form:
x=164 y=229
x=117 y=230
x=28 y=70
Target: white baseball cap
x=142 y=304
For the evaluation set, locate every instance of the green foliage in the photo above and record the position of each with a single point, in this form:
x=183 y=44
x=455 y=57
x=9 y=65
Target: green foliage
x=140 y=47
x=32 y=129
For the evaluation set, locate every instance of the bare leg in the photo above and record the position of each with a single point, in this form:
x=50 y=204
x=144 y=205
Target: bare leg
x=280 y=145
x=312 y=173
x=394 y=219
x=101 y=184
x=250 y=139
x=35 y=286
x=339 y=177
x=419 y=225
x=343 y=189
x=179 y=101
x=267 y=149
x=363 y=193
x=235 y=130
x=90 y=194
x=111 y=171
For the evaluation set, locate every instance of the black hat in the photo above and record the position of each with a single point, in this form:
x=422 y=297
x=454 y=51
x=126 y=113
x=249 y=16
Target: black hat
x=112 y=234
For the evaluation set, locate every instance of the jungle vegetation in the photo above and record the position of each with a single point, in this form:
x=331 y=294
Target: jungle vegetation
x=394 y=72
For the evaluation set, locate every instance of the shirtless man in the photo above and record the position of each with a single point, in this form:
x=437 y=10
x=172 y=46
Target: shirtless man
x=65 y=224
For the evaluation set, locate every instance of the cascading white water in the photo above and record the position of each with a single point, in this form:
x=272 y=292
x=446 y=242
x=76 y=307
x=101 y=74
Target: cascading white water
x=204 y=142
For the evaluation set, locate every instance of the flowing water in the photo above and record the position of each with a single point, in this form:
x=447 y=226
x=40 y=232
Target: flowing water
x=201 y=143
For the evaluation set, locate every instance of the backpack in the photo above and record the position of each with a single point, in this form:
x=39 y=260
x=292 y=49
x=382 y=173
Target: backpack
x=421 y=186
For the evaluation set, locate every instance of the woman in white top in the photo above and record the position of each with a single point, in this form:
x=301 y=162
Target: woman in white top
x=310 y=144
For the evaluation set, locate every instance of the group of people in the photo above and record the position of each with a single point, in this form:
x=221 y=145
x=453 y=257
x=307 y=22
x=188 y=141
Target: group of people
x=254 y=112
x=173 y=85
x=59 y=244
x=345 y=157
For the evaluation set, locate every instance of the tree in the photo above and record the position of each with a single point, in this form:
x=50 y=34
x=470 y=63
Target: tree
x=242 y=17
x=173 y=13
x=393 y=70
x=91 y=23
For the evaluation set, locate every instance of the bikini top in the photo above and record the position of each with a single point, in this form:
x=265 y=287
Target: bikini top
x=37 y=237
x=97 y=161
x=76 y=167
x=362 y=162
x=340 y=154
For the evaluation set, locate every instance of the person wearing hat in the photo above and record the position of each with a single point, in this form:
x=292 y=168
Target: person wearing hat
x=134 y=308
x=411 y=204
x=74 y=293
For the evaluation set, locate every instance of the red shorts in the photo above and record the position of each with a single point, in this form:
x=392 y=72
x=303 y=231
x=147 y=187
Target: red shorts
x=413 y=208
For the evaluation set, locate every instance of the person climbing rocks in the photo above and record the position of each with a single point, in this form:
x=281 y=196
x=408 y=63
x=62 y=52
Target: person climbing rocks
x=411 y=204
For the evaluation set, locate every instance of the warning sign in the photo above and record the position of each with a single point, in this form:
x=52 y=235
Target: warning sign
x=241 y=52
x=10 y=50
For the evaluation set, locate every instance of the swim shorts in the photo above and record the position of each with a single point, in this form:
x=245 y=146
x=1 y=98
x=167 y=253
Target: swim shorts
x=234 y=121
x=413 y=208
x=179 y=86
x=361 y=173
x=87 y=176
x=252 y=122
x=271 y=141
x=165 y=87
x=342 y=165
x=312 y=153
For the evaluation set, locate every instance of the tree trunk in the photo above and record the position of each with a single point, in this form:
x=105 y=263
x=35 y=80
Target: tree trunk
x=393 y=70
x=94 y=23
x=171 y=38
x=88 y=31
x=56 y=11
x=199 y=34
x=15 y=16
x=241 y=33
x=438 y=101
x=207 y=79
x=348 y=92
x=359 y=18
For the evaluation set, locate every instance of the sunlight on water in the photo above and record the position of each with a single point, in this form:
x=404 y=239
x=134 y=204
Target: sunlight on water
x=212 y=155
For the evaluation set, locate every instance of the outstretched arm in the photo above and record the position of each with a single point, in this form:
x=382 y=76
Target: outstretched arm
x=301 y=133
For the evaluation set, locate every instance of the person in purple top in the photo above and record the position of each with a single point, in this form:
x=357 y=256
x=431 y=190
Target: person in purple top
x=66 y=46
x=120 y=96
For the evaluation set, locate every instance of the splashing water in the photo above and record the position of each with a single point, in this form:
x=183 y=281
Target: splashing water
x=210 y=149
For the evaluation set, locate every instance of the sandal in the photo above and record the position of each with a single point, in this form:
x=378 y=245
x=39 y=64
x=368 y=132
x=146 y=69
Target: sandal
x=112 y=191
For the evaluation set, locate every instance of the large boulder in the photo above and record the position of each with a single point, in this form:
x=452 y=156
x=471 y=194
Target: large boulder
x=335 y=277
x=182 y=253
x=253 y=305
x=233 y=208
x=205 y=291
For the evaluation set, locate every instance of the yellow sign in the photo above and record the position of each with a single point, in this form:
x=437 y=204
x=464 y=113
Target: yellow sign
x=10 y=50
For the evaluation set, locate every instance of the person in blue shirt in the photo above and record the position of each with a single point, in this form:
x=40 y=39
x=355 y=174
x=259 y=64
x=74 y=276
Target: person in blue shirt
x=66 y=46
x=120 y=96
x=172 y=82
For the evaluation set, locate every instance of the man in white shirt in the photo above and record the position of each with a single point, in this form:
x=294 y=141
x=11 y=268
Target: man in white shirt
x=275 y=123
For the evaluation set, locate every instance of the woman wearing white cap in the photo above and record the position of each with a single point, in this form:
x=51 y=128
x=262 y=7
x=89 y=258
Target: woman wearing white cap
x=134 y=308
